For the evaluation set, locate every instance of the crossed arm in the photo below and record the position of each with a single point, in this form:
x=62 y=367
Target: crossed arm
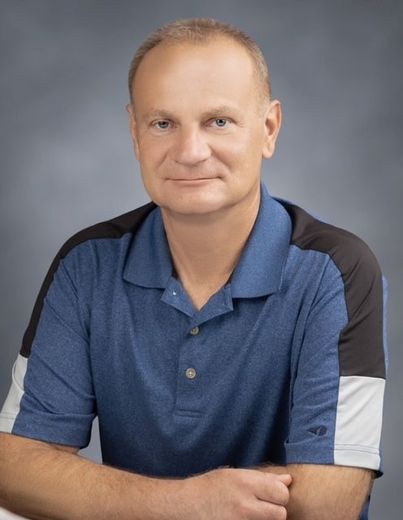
x=44 y=482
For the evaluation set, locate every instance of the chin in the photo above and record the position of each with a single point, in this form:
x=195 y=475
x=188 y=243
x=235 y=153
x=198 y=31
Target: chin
x=190 y=201
x=192 y=210
x=193 y=207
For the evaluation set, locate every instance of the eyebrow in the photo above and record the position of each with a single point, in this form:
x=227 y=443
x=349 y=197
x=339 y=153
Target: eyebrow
x=211 y=112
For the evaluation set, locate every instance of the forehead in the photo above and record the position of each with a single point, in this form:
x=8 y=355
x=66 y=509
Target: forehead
x=220 y=70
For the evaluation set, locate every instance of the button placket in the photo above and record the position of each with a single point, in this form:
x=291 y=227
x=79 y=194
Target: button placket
x=191 y=372
x=190 y=378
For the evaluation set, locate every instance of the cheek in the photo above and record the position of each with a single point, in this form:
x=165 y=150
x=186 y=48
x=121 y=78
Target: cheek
x=152 y=153
x=254 y=147
x=230 y=149
x=242 y=152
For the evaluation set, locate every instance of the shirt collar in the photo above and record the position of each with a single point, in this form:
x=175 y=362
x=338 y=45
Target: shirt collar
x=149 y=262
x=258 y=273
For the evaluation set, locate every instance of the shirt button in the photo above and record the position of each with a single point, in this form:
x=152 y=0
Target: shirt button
x=194 y=331
x=190 y=373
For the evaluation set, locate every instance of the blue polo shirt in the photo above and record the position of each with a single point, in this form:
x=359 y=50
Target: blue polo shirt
x=284 y=364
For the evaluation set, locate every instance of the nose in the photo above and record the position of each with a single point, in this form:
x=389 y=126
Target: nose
x=191 y=147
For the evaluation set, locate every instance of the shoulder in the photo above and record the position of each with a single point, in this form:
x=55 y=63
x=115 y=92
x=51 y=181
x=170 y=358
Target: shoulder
x=74 y=256
x=351 y=255
x=113 y=228
x=359 y=284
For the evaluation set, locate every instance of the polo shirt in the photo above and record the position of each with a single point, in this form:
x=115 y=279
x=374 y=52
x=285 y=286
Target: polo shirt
x=284 y=364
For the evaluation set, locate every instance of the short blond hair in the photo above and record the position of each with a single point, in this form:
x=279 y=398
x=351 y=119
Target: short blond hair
x=199 y=31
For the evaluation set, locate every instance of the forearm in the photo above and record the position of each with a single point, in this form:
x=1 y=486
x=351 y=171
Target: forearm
x=318 y=491
x=42 y=483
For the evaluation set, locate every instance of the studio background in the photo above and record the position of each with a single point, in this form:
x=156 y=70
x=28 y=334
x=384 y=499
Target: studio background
x=67 y=160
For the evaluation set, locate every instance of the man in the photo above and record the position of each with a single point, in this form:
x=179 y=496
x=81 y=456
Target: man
x=230 y=344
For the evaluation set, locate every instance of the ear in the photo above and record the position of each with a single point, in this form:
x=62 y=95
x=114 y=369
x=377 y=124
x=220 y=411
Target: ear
x=133 y=129
x=272 y=124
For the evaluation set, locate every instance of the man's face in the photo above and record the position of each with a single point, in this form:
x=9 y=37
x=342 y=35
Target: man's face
x=198 y=128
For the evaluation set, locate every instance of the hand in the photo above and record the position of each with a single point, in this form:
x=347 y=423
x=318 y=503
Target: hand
x=236 y=494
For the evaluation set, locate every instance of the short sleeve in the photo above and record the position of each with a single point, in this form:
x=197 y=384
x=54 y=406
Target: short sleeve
x=339 y=378
x=52 y=397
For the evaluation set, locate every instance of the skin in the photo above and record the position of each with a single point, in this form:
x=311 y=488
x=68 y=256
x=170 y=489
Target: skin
x=192 y=163
x=200 y=132
x=51 y=482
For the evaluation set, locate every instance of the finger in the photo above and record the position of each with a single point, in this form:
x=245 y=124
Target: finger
x=285 y=479
x=273 y=490
x=272 y=511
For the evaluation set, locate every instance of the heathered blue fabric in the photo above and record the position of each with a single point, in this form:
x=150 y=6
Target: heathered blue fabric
x=114 y=340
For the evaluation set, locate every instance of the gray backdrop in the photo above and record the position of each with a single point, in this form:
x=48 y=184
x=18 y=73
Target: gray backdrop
x=67 y=161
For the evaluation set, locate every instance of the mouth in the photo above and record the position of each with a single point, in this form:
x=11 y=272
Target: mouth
x=198 y=179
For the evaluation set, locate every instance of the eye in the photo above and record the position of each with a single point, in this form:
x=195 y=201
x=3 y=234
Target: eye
x=163 y=124
x=221 y=122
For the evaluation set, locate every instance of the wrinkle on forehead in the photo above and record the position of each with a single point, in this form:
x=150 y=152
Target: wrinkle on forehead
x=187 y=65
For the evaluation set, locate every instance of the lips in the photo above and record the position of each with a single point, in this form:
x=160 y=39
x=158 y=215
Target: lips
x=189 y=179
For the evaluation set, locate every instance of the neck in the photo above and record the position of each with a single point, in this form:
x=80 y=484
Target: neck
x=206 y=248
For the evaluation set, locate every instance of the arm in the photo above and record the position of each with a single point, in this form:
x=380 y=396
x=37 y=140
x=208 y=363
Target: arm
x=45 y=481
x=325 y=491
x=332 y=447
x=50 y=482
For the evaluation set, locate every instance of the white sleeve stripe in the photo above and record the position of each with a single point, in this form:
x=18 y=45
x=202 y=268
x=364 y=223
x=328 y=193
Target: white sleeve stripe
x=11 y=405
x=359 y=421
x=7 y=515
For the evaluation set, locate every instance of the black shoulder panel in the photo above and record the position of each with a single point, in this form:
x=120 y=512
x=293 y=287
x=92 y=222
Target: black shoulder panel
x=114 y=228
x=361 y=351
